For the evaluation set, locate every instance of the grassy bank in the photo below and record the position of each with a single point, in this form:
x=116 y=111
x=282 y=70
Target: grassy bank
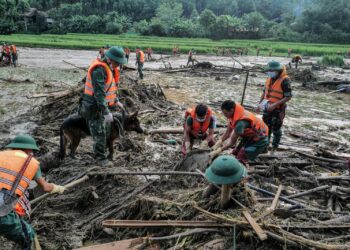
x=165 y=44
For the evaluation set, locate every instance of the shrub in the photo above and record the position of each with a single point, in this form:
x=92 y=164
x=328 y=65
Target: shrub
x=332 y=61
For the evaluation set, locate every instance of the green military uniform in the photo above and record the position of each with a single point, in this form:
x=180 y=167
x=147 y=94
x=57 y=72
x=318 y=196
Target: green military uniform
x=15 y=228
x=274 y=119
x=252 y=148
x=93 y=109
x=139 y=65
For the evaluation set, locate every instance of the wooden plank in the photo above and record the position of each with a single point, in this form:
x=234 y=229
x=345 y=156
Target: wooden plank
x=275 y=200
x=258 y=230
x=225 y=195
x=161 y=223
x=131 y=244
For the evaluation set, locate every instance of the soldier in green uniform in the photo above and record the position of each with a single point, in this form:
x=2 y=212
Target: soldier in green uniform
x=100 y=98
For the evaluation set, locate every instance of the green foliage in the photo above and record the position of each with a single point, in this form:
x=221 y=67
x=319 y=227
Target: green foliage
x=201 y=45
x=297 y=20
x=332 y=61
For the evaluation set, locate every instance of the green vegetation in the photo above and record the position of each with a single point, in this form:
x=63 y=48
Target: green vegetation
x=322 y=21
x=332 y=61
x=165 y=44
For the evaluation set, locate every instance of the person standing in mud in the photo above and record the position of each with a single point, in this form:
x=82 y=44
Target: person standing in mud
x=242 y=124
x=289 y=52
x=127 y=54
x=296 y=60
x=140 y=60
x=17 y=162
x=190 y=58
x=100 y=99
x=14 y=55
x=149 y=53
x=270 y=52
x=200 y=124
x=257 y=51
x=273 y=101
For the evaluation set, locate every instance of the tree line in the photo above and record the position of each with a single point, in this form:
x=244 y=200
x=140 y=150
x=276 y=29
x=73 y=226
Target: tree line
x=295 y=20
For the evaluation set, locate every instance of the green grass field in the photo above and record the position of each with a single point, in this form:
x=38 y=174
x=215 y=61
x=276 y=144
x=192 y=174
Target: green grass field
x=165 y=44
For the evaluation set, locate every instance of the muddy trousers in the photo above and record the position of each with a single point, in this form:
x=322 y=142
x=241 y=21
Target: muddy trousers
x=16 y=229
x=274 y=120
x=97 y=128
x=140 y=69
x=251 y=150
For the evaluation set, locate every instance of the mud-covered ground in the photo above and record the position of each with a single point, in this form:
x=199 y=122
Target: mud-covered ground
x=316 y=120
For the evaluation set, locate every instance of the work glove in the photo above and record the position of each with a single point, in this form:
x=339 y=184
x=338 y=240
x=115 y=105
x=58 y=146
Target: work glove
x=215 y=153
x=263 y=106
x=203 y=145
x=108 y=117
x=57 y=189
x=218 y=144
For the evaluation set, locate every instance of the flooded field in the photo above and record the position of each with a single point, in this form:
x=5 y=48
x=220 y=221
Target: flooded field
x=316 y=120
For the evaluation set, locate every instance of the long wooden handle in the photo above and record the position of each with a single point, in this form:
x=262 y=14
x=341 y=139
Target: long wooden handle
x=69 y=185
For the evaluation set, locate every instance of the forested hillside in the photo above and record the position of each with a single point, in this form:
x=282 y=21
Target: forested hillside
x=295 y=20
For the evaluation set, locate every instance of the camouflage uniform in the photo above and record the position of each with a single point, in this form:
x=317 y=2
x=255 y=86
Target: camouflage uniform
x=93 y=109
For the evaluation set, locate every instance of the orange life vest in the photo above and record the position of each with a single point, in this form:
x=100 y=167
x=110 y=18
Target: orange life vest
x=198 y=127
x=110 y=83
x=7 y=50
x=274 y=91
x=11 y=162
x=14 y=49
x=23 y=205
x=258 y=129
x=142 y=56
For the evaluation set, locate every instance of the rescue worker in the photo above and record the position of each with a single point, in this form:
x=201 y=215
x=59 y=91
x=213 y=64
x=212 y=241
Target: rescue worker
x=296 y=60
x=14 y=55
x=6 y=53
x=100 y=99
x=191 y=58
x=245 y=125
x=246 y=51
x=224 y=170
x=18 y=162
x=140 y=60
x=174 y=51
x=257 y=51
x=289 y=52
x=199 y=124
x=149 y=52
x=276 y=94
x=127 y=54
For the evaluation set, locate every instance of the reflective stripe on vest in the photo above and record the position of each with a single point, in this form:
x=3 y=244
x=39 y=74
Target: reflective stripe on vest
x=274 y=91
x=11 y=162
x=198 y=127
x=258 y=128
x=110 y=84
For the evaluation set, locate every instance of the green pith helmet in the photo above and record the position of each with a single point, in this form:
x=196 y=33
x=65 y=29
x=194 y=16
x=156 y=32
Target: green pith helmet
x=23 y=142
x=273 y=66
x=224 y=170
x=116 y=54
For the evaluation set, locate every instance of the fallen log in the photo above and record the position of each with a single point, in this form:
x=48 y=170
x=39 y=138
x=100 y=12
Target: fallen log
x=310 y=243
x=308 y=192
x=145 y=173
x=272 y=194
x=321 y=158
x=162 y=223
x=258 y=230
x=273 y=206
